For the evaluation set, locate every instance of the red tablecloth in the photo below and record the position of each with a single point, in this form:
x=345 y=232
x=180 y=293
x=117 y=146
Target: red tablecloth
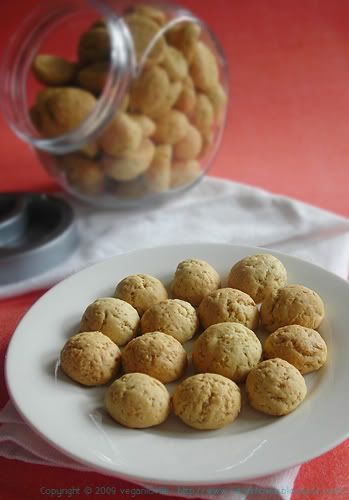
x=287 y=132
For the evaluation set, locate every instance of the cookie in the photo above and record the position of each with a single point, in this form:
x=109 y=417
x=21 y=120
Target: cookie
x=173 y=317
x=138 y=401
x=303 y=347
x=94 y=46
x=131 y=164
x=93 y=77
x=193 y=280
x=156 y=354
x=175 y=64
x=52 y=70
x=190 y=146
x=115 y=318
x=228 y=304
x=184 y=37
x=204 y=68
x=171 y=127
x=229 y=349
x=90 y=358
x=149 y=92
x=257 y=275
x=218 y=99
x=81 y=173
x=207 y=401
x=275 y=387
x=203 y=113
x=187 y=98
x=293 y=304
x=142 y=291
x=146 y=124
x=158 y=175
x=122 y=135
x=143 y=31
x=184 y=172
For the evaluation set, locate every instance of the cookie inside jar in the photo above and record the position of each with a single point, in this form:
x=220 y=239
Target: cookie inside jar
x=141 y=120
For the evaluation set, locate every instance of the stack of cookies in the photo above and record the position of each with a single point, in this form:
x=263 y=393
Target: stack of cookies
x=164 y=124
x=226 y=353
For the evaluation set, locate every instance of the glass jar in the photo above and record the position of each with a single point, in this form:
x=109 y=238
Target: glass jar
x=124 y=102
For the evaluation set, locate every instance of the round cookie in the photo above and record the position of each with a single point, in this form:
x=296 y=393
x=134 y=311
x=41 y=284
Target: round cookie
x=207 y=401
x=141 y=291
x=90 y=358
x=174 y=317
x=136 y=400
x=117 y=319
x=156 y=354
x=275 y=387
x=228 y=304
x=293 y=304
x=193 y=280
x=229 y=349
x=303 y=347
x=257 y=275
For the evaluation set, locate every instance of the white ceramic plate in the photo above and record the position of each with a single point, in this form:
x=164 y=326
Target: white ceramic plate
x=72 y=418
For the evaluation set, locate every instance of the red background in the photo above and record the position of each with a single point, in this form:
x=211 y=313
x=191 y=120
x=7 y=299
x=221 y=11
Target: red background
x=287 y=132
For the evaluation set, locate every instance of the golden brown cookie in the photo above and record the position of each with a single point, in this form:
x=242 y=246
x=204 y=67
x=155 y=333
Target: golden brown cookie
x=187 y=98
x=82 y=173
x=184 y=172
x=158 y=175
x=190 y=146
x=94 y=46
x=203 y=68
x=90 y=358
x=203 y=113
x=193 y=280
x=156 y=354
x=149 y=92
x=130 y=165
x=141 y=291
x=171 y=127
x=184 y=37
x=275 y=387
x=228 y=304
x=138 y=401
x=121 y=136
x=293 y=304
x=218 y=98
x=146 y=124
x=173 y=317
x=257 y=275
x=175 y=64
x=94 y=76
x=207 y=401
x=229 y=349
x=303 y=347
x=115 y=318
x=143 y=31
x=52 y=70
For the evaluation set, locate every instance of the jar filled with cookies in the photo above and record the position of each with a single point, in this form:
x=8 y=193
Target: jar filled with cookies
x=124 y=102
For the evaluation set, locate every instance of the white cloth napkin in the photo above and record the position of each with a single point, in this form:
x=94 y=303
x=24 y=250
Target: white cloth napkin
x=215 y=211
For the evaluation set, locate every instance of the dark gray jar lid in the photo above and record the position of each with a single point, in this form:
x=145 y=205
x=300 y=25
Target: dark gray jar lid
x=37 y=232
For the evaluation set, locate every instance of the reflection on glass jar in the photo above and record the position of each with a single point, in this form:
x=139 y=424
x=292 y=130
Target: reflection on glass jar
x=124 y=102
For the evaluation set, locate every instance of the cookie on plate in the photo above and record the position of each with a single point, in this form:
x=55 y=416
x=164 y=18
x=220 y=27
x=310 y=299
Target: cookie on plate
x=193 y=280
x=292 y=304
x=229 y=349
x=303 y=347
x=90 y=358
x=174 y=317
x=141 y=291
x=137 y=400
x=115 y=318
x=228 y=304
x=257 y=275
x=275 y=387
x=207 y=401
x=156 y=354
